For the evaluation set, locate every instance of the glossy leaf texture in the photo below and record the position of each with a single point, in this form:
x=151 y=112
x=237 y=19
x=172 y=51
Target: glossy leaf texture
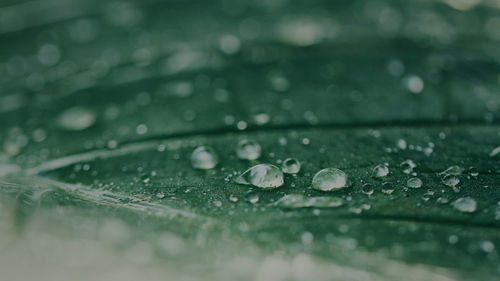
x=102 y=105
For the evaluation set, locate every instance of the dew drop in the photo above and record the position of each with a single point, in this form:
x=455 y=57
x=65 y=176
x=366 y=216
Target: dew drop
x=401 y=144
x=408 y=166
x=451 y=181
x=204 y=157
x=76 y=119
x=465 y=204
x=329 y=179
x=453 y=170
x=380 y=171
x=254 y=198
x=367 y=189
x=248 y=150
x=495 y=152
x=487 y=246
x=291 y=166
x=263 y=175
x=473 y=172
x=414 y=183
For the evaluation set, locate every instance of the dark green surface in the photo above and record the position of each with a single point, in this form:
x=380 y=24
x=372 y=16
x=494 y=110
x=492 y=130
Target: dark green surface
x=61 y=219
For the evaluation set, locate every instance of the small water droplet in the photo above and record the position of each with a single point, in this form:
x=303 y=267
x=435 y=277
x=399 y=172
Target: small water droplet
x=233 y=198
x=367 y=189
x=261 y=118
x=473 y=172
x=465 y=204
x=414 y=83
x=254 y=198
x=248 y=150
x=307 y=238
x=387 y=188
x=291 y=166
x=414 y=183
x=76 y=119
x=141 y=129
x=204 y=157
x=401 y=144
x=451 y=181
x=263 y=175
x=241 y=125
x=495 y=152
x=408 y=166
x=487 y=246
x=329 y=179
x=380 y=171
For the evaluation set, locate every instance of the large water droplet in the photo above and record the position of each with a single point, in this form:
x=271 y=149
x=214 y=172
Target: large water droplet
x=204 y=157
x=465 y=204
x=248 y=150
x=414 y=183
x=262 y=175
x=76 y=119
x=380 y=171
x=291 y=166
x=329 y=179
x=453 y=170
x=293 y=201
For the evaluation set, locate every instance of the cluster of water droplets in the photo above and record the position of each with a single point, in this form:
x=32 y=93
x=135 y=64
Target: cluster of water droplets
x=269 y=176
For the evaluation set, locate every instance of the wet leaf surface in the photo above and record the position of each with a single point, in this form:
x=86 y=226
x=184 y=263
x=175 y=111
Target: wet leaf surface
x=102 y=106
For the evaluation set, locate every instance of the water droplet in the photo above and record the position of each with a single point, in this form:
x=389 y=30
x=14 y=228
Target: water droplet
x=76 y=119
x=451 y=181
x=487 y=246
x=380 y=171
x=248 y=150
x=141 y=129
x=233 y=198
x=261 y=118
x=367 y=189
x=204 y=157
x=401 y=144
x=387 y=188
x=307 y=238
x=254 y=198
x=465 y=204
x=263 y=175
x=414 y=183
x=293 y=201
x=414 y=83
x=453 y=170
x=408 y=166
x=495 y=152
x=291 y=166
x=241 y=125
x=329 y=179
x=473 y=172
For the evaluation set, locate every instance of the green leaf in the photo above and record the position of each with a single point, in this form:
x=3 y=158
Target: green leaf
x=99 y=119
